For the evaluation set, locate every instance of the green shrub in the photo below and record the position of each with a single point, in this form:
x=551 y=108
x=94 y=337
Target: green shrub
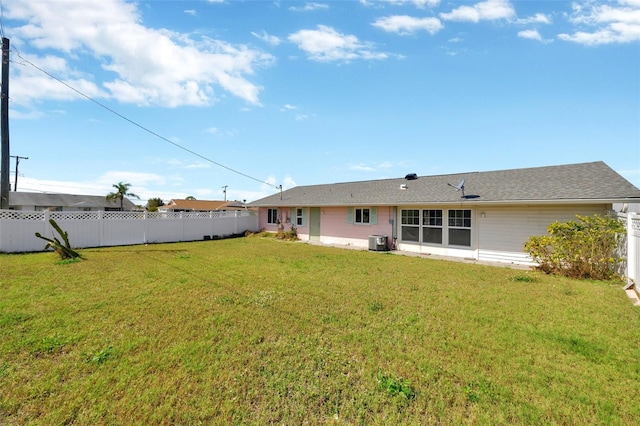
x=579 y=249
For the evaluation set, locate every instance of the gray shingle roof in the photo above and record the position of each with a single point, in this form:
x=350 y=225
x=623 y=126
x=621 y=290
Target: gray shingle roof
x=65 y=200
x=578 y=183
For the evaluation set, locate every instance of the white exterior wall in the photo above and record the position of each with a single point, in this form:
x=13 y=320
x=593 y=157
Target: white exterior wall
x=498 y=233
x=503 y=231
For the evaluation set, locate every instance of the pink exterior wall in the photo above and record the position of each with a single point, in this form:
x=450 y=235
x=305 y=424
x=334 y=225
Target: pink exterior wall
x=285 y=214
x=333 y=224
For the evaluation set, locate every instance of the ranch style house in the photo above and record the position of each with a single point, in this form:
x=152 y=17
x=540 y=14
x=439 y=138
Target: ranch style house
x=484 y=216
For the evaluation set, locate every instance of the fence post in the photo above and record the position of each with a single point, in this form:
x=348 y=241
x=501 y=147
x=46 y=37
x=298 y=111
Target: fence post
x=144 y=221
x=100 y=228
x=632 y=246
x=46 y=227
x=211 y=224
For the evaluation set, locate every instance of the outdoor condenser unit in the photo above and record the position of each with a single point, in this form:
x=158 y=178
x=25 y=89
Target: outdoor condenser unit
x=378 y=242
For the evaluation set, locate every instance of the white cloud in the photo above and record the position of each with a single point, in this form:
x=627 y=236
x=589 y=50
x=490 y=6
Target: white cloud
x=421 y=4
x=362 y=168
x=140 y=62
x=372 y=167
x=530 y=34
x=134 y=178
x=326 y=45
x=198 y=165
x=288 y=182
x=404 y=25
x=538 y=18
x=270 y=39
x=488 y=10
x=271 y=182
x=309 y=7
x=191 y=12
x=611 y=24
x=288 y=107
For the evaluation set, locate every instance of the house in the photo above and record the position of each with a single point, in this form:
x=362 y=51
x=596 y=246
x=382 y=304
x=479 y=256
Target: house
x=178 y=205
x=479 y=215
x=31 y=201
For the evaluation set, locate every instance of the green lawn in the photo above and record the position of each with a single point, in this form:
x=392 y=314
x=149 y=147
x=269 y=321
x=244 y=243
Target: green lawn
x=258 y=331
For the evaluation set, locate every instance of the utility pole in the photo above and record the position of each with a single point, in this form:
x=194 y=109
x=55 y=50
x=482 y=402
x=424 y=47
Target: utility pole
x=15 y=181
x=224 y=189
x=5 y=185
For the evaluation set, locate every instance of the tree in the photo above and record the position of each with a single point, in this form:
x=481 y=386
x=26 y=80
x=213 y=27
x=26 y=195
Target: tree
x=190 y=197
x=153 y=204
x=122 y=190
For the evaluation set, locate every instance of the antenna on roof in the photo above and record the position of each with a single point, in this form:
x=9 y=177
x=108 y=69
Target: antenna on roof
x=458 y=187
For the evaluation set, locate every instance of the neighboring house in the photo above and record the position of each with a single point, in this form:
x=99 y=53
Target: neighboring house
x=490 y=217
x=177 y=205
x=31 y=201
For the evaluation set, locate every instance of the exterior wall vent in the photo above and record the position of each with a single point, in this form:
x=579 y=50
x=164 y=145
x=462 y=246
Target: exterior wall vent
x=411 y=176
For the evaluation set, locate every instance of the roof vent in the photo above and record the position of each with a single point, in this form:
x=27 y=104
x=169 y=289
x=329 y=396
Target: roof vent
x=403 y=186
x=411 y=176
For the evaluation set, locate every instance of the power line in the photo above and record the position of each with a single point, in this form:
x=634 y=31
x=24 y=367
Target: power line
x=141 y=126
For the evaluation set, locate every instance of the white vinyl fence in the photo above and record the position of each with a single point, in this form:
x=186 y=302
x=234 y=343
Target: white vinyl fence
x=631 y=247
x=101 y=229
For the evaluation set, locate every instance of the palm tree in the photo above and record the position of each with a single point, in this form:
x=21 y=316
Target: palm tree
x=122 y=191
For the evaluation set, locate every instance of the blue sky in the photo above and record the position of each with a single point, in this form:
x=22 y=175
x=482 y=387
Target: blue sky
x=301 y=93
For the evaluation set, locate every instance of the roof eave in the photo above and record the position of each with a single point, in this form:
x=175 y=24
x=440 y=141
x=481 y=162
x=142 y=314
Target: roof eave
x=562 y=201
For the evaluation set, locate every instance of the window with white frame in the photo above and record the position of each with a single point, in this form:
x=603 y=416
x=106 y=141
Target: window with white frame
x=410 y=221
x=432 y=226
x=460 y=228
x=299 y=217
x=362 y=216
x=272 y=216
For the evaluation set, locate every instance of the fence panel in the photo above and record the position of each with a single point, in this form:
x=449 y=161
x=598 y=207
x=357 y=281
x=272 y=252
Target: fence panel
x=164 y=228
x=196 y=226
x=100 y=229
x=17 y=231
x=122 y=228
x=83 y=227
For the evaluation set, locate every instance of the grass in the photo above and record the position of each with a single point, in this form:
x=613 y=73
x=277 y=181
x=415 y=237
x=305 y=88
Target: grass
x=258 y=331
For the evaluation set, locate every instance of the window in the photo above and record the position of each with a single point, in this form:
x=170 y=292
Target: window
x=272 y=216
x=432 y=226
x=411 y=217
x=410 y=221
x=299 y=217
x=362 y=216
x=460 y=228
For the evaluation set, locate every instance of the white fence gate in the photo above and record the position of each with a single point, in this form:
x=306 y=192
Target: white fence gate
x=101 y=229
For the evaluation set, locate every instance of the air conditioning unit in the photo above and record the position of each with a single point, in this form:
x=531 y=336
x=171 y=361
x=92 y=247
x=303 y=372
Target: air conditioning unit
x=378 y=243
